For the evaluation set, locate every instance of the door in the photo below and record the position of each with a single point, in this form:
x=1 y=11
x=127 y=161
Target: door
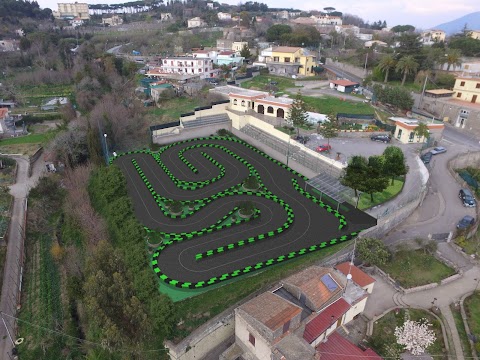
x=260 y=109
x=474 y=99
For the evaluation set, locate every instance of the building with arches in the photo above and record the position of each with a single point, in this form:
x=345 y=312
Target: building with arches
x=259 y=102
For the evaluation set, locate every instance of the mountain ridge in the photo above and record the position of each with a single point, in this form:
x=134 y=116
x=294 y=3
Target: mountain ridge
x=472 y=21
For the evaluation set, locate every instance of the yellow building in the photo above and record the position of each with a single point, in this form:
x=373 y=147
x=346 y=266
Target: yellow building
x=72 y=10
x=474 y=34
x=405 y=130
x=288 y=61
x=467 y=89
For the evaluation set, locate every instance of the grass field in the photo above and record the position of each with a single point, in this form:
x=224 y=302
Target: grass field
x=472 y=308
x=201 y=308
x=457 y=316
x=380 y=198
x=262 y=83
x=172 y=109
x=383 y=340
x=427 y=268
x=29 y=139
x=329 y=104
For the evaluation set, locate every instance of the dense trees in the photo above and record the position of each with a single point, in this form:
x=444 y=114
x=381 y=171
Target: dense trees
x=453 y=57
x=394 y=163
x=11 y=10
x=372 y=251
x=466 y=44
x=394 y=95
x=277 y=31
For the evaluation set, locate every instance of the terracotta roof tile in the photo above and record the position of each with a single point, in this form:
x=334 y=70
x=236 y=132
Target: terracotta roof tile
x=286 y=49
x=358 y=276
x=343 y=82
x=309 y=281
x=271 y=310
x=338 y=348
x=318 y=325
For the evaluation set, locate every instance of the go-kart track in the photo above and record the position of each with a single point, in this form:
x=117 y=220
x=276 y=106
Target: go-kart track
x=202 y=245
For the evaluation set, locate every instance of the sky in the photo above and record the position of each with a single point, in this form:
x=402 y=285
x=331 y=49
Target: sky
x=422 y=14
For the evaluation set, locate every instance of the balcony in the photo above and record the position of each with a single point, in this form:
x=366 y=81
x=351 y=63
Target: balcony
x=270 y=61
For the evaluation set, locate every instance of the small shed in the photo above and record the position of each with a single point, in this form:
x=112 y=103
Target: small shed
x=345 y=86
x=439 y=93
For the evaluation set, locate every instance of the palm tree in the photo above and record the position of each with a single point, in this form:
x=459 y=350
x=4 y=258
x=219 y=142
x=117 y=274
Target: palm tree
x=386 y=64
x=422 y=131
x=453 y=58
x=406 y=65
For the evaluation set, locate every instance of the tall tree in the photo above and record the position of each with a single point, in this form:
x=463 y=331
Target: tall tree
x=354 y=174
x=297 y=116
x=394 y=164
x=329 y=128
x=453 y=58
x=245 y=52
x=422 y=131
x=376 y=180
x=386 y=64
x=406 y=65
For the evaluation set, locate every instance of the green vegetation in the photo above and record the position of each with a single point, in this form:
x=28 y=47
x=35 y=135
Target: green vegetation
x=373 y=251
x=470 y=246
x=472 y=308
x=380 y=197
x=383 y=340
x=330 y=104
x=30 y=139
x=263 y=83
x=457 y=316
x=172 y=109
x=426 y=267
x=5 y=201
x=7 y=174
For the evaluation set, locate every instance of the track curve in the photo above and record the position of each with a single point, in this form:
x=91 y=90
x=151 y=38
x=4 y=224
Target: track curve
x=201 y=246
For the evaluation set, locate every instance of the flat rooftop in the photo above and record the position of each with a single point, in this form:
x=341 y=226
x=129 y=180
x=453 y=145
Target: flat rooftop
x=229 y=89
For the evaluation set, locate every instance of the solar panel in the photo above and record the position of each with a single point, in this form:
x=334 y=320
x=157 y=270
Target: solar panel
x=329 y=282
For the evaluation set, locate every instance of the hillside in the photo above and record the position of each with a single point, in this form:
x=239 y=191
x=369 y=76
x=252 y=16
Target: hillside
x=472 y=20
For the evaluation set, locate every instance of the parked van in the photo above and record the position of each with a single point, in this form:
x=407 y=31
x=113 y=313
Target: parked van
x=467 y=198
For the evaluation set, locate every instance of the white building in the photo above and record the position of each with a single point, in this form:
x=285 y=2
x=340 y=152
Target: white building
x=72 y=10
x=237 y=46
x=196 y=22
x=347 y=29
x=377 y=43
x=365 y=37
x=224 y=16
x=76 y=22
x=327 y=20
x=188 y=65
x=166 y=16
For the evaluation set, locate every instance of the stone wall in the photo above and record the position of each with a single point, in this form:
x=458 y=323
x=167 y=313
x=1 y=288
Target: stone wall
x=355 y=70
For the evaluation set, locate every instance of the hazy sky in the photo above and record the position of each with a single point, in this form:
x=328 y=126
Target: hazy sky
x=423 y=14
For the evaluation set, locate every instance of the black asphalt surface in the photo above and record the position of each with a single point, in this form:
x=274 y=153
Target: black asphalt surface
x=312 y=224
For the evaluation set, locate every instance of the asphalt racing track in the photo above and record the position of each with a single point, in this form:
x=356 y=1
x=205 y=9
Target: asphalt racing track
x=199 y=248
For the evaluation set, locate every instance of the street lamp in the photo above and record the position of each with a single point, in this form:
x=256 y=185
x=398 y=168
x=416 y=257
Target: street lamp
x=106 y=146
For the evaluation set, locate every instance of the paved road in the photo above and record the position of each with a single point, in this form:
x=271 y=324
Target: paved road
x=312 y=225
x=343 y=74
x=11 y=276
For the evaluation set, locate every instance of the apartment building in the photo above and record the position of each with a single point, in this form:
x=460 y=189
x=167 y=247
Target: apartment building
x=288 y=61
x=72 y=10
x=467 y=89
x=431 y=37
x=188 y=65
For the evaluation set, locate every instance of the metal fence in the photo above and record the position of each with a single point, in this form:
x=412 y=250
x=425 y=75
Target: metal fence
x=292 y=151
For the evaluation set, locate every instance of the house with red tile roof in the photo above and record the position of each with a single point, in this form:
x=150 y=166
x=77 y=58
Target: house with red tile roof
x=345 y=86
x=295 y=320
x=359 y=277
x=3 y=113
x=336 y=347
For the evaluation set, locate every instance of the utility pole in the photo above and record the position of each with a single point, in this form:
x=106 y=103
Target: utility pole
x=423 y=93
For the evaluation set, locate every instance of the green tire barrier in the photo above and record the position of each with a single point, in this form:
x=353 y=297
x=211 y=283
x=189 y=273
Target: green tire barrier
x=252 y=240
x=171 y=238
x=327 y=207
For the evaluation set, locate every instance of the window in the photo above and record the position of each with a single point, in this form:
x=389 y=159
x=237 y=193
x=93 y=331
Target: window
x=234 y=101
x=164 y=61
x=243 y=103
x=297 y=59
x=399 y=134
x=459 y=94
x=251 y=339
x=276 y=59
x=477 y=86
x=270 y=110
x=287 y=59
x=462 y=83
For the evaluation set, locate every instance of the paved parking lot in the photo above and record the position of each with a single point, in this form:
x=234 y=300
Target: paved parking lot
x=348 y=147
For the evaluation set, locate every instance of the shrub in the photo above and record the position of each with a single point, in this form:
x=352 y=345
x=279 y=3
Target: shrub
x=251 y=183
x=247 y=208
x=175 y=206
